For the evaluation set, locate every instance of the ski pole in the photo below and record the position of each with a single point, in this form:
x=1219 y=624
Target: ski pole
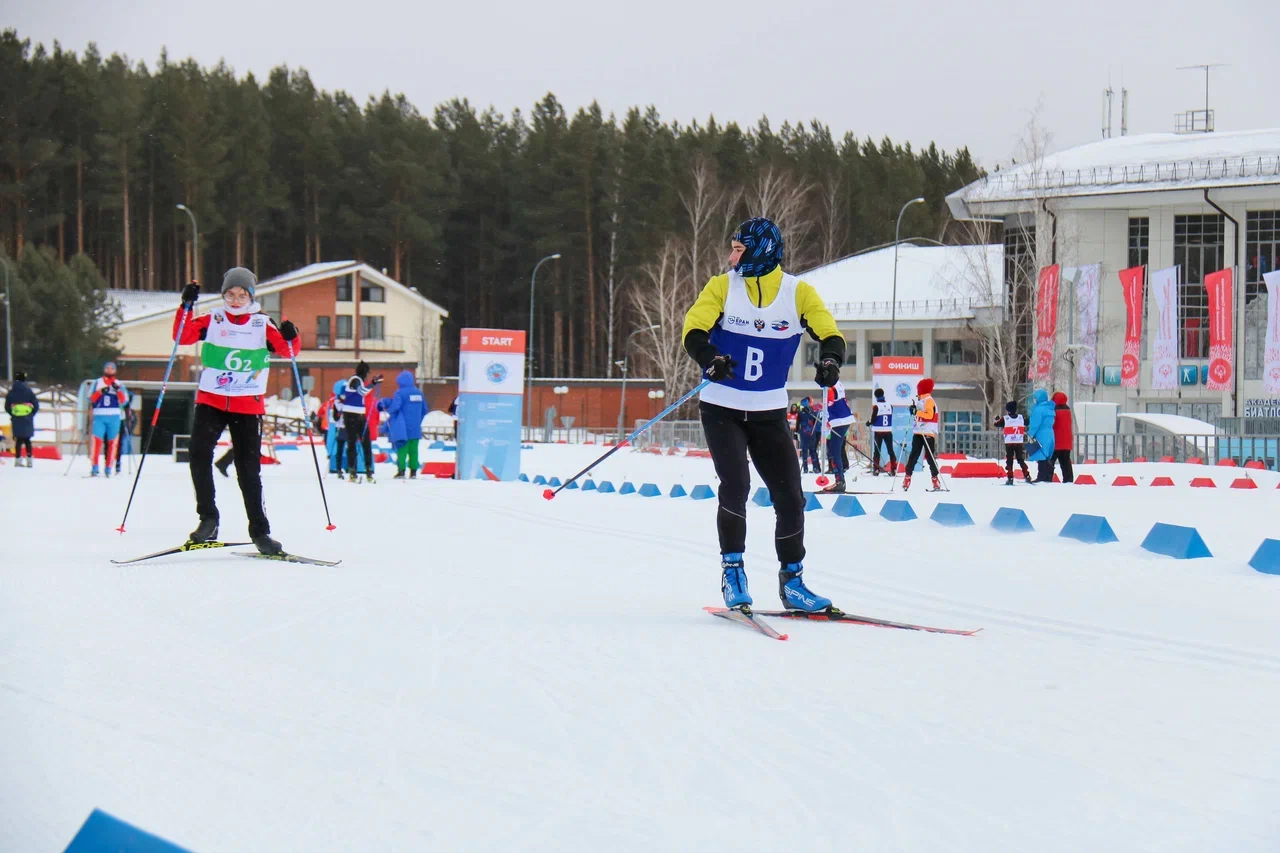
x=155 y=416
x=932 y=459
x=297 y=378
x=549 y=493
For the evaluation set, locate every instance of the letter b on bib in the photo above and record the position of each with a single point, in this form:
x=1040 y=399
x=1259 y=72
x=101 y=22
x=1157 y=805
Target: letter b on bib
x=755 y=364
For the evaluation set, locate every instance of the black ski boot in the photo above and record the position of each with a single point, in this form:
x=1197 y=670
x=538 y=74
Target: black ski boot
x=413 y=473
x=222 y=469
x=836 y=488
x=399 y=475
x=266 y=545
x=206 y=531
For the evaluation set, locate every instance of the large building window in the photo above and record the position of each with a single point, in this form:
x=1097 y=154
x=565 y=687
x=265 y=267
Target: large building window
x=957 y=352
x=1139 y=241
x=344 y=288
x=323 y=325
x=1207 y=412
x=270 y=304
x=344 y=327
x=1020 y=277
x=881 y=348
x=1261 y=256
x=371 y=328
x=1197 y=249
x=372 y=293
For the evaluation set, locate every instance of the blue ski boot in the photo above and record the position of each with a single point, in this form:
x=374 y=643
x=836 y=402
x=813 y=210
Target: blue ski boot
x=795 y=595
x=733 y=583
x=94 y=472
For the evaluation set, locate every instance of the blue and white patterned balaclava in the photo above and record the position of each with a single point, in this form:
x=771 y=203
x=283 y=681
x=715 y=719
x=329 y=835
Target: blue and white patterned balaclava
x=764 y=247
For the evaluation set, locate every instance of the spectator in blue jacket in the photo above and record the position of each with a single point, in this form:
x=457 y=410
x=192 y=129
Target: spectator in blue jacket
x=1040 y=430
x=21 y=406
x=407 y=409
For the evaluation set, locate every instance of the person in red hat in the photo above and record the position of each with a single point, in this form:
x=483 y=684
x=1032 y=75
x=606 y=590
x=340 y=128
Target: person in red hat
x=924 y=433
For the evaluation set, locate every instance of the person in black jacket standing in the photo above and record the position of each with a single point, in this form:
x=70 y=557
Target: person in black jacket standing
x=21 y=405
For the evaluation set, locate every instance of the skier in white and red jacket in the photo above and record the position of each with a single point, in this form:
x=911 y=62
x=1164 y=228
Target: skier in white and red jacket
x=238 y=340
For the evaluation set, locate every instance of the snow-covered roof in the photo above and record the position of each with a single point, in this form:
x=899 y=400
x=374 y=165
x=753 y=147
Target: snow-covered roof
x=1149 y=162
x=934 y=282
x=137 y=305
x=1174 y=424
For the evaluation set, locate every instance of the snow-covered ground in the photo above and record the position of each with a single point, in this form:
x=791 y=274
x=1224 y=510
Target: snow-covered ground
x=491 y=671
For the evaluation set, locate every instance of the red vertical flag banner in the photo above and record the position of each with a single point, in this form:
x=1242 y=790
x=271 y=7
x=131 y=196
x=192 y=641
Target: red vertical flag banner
x=1219 y=287
x=1131 y=281
x=1046 y=322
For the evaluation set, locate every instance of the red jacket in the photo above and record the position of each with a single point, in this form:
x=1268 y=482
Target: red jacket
x=1061 y=423
x=195 y=331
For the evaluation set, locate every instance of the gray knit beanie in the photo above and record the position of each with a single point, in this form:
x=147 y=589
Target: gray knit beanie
x=240 y=277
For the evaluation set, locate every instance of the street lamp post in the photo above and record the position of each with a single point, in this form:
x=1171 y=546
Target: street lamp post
x=528 y=364
x=626 y=349
x=893 y=311
x=195 y=242
x=8 y=321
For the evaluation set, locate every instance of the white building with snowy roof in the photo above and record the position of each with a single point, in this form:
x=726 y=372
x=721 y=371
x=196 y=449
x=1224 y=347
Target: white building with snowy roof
x=1199 y=202
x=942 y=291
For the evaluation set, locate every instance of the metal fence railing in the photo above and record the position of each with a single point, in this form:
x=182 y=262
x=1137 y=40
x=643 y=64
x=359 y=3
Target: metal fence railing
x=1211 y=449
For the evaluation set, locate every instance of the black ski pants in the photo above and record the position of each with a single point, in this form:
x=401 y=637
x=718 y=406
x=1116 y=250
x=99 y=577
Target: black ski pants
x=1016 y=452
x=357 y=431
x=1063 y=458
x=246 y=444
x=18 y=443
x=731 y=435
x=883 y=437
x=918 y=444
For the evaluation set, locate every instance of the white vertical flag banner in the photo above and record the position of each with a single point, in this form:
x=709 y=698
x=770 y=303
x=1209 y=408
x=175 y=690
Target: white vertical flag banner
x=1164 y=344
x=1086 y=320
x=1271 y=355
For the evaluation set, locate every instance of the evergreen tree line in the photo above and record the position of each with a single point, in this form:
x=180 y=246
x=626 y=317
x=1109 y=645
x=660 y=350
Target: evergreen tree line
x=97 y=152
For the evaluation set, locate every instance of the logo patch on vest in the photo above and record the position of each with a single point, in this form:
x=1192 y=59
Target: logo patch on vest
x=759 y=325
x=217 y=318
x=780 y=325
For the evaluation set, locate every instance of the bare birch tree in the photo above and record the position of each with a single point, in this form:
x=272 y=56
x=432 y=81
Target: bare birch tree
x=661 y=299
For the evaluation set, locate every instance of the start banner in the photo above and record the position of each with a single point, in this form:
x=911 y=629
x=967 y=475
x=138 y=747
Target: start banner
x=490 y=397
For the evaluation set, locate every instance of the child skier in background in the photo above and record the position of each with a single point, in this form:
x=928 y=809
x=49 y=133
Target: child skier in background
x=881 y=424
x=839 y=417
x=106 y=403
x=1015 y=437
x=924 y=433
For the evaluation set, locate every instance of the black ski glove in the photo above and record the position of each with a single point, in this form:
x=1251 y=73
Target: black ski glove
x=377 y=380
x=827 y=372
x=288 y=331
x=190 y=293
x=721 y=368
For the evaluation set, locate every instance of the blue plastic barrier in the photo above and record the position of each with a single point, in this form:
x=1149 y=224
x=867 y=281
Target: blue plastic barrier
x=539 y=480
x=897 y=511
x=951 y=515
x=702 y=493
x=524 y=478
x=1093 y=529
x=1010 y=520
x=847 y=506
x=589 y=486
x=436 y=445
x=553 y=482
x=573 y=484
x=1173 y=540
x=811 y=502
x=762 y=497
x=102 y=833
x=605 y=487
x=649 y=490
x=1267 y=558
x=626 y=488
x=677 y=491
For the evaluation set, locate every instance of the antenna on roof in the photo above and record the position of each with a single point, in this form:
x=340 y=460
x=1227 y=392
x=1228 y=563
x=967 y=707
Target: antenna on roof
x=1107 y=95
x=1197 y=121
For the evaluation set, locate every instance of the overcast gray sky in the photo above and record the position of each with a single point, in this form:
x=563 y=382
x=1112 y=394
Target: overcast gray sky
x=958 y=73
